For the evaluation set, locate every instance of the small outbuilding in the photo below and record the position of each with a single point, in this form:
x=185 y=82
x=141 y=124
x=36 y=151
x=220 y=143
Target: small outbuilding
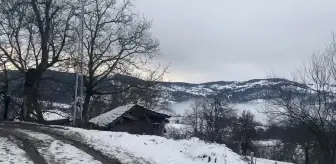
x=132 y=118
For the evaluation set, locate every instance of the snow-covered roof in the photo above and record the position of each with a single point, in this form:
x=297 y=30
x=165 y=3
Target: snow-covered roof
x=110 y=116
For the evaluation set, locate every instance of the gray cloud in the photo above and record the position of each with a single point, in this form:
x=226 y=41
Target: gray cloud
x=238 y=40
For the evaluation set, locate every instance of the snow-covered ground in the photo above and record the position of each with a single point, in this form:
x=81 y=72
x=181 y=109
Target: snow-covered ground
x=175 y=130
x=267 y=142
x=144 y=149
x=61 y=105
x=267 y=161
x=10 y=153
x=55 y=115
x=157 y=150
x=178 y=126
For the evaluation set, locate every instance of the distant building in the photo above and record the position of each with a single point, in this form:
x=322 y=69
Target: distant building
x=134 y=119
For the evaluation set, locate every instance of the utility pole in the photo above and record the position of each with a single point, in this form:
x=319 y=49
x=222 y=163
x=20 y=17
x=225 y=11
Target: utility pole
x=79 y=69
x=75 y=100
x=82 y=58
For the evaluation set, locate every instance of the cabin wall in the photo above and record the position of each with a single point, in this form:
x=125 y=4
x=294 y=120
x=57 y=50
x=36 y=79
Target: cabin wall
x=138 y=127
x=133 y=127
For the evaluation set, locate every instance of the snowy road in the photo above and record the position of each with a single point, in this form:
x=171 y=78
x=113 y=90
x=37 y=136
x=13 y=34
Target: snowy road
x=29 y=144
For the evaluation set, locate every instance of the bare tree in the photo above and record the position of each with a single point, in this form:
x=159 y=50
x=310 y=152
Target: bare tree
x=300 y=138
x=116 y=41
x=211 y=119
x=313 y=104
x=4 y=89
x=244 y=131
x=194 y=114
x=34 y=35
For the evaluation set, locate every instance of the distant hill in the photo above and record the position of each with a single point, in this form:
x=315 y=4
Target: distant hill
x=233 y=90
x=59 y=87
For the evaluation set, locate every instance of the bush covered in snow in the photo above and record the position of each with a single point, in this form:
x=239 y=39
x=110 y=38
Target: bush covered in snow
x=178 y=131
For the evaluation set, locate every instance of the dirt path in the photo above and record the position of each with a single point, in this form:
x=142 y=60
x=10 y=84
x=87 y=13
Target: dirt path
x=96 y=155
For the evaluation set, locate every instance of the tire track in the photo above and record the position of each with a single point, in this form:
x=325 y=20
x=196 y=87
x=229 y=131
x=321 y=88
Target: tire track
x=95 y=154
x=25 y=144
x=11 y=153
x=60 y=152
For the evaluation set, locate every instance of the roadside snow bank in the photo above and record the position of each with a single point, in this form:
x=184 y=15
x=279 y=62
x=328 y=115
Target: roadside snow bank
x=144 y=149
x=130 y=149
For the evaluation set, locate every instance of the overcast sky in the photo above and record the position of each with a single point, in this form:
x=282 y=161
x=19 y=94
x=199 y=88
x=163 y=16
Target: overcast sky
x=208 y=40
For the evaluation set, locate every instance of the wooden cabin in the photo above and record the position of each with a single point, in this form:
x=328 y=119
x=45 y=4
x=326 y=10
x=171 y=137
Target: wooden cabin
x=134 y=119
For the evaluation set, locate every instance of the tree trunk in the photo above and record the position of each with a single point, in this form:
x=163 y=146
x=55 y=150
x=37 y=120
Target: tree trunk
x=6 y=102
x=244 y=148
x=30 y=96
x=196 y=120
x=328 y=159
x=5 y=92
x=85 y=112
x=333 y=156
x=306 y=156
x=329 y=154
